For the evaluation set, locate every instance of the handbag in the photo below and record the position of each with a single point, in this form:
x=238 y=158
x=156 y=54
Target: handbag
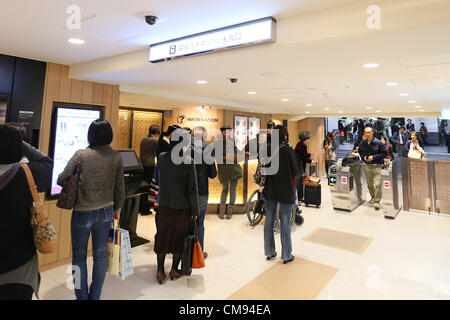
x=186 y=257
x=68 y=194
x=198 y=260
x=259 y=178
x=44 y=234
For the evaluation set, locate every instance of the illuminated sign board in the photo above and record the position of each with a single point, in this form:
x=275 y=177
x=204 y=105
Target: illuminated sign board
x=244 y=34
x=445 y=113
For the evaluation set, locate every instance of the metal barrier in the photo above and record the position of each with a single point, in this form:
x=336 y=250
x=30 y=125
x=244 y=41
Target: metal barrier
x=426 y=185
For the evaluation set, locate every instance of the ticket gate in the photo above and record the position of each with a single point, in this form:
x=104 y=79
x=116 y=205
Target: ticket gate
x=346 y=185
x=389 y=191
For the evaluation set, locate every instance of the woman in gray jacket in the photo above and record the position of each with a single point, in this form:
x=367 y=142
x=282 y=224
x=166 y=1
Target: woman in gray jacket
x=100 y=196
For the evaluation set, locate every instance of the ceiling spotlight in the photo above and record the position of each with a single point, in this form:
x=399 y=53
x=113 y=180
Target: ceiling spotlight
x=369 y=108
x=404 y=94
x=75 y=41
x=251 y=92
x=392 y=84
x=422 y=110
x=309 y=105
x=285 y=100
x=378 y=111
x=326 y=109
x=341 y=111
x=370 y=65
x=307 y=112
x=419 y=107
x=202 y=82
x=412 y=101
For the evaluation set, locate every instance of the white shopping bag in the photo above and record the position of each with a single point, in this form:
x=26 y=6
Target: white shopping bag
x=119 y=252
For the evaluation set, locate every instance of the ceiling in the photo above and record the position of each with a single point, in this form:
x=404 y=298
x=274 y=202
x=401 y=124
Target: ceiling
x=317 y=58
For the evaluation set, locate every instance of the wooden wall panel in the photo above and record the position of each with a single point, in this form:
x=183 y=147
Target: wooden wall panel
x=97 y=93
x=142 y=120
x=65 y=84
x=86 y=96
x=65 y=243
x=76 y=92
x=59 y=88
x=316 y=127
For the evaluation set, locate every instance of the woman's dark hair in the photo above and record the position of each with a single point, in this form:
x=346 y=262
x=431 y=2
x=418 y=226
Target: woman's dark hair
x=24 y=131
x=100 y=133
x=330 y=135
x=304 y=135
x=385 y=139
x=10 y=145
x=154 y=129
x=283 y=133
x=270 y=124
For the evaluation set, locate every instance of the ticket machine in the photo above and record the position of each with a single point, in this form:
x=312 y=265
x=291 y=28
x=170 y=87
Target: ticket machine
x=346 y=179
x=134 y=188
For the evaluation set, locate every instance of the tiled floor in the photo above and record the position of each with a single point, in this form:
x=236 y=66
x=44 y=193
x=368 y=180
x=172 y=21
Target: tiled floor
x=408 y=258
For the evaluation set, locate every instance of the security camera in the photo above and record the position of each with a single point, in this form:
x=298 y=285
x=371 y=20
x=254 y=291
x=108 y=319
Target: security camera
x=233 y=80
x=151 y=20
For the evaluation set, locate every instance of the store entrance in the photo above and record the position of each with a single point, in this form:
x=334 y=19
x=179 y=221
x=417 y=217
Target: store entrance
x=134 y=124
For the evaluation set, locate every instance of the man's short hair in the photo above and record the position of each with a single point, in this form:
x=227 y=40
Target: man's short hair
x=270 y=124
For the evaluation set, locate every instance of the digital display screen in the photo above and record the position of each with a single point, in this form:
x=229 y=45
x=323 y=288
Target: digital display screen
x=71 y=130
x=129 y=159
x=3 y=105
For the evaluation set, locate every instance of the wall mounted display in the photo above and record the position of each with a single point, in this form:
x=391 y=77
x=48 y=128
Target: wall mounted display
x=240 y=131
x=69 y=134
x=254 y=126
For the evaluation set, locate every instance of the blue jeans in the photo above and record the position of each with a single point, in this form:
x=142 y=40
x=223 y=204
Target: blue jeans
x=285 y=226
x=203 y=202
x=83 y=223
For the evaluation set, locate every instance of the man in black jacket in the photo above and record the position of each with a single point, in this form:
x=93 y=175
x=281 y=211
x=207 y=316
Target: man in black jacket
x=400 y=139
x=373 y=152
x=204 y=171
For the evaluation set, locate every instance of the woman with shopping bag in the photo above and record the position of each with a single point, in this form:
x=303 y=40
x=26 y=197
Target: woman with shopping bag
x=100 y=195
x=178 y=203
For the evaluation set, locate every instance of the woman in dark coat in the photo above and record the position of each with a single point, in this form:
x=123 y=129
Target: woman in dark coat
x=19 y=270
x=302 y=152
x=279 y=191
x=178 y=205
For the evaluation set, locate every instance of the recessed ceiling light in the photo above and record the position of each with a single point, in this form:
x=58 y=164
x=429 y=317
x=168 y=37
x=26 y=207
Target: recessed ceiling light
x=202 y=82
x=309 y=105
x=422 y=110
x=341 y=111
x=378 y=111
x=369 y=108
x=76 y=41
x=370 y=65
x=326 y=109
x=419 y=107
x=412 y=101
x=251 y=92
x=392 y=84
x=307 y=112
x=285 y=100
x=404 y=94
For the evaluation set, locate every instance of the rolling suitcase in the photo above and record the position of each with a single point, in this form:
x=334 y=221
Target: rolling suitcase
x=313 y=193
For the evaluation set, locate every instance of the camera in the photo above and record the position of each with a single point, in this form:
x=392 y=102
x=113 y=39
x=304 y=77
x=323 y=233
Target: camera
x=233 y=80
x=151 y=20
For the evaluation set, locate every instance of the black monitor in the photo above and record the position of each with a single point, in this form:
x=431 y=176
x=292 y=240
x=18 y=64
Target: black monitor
x=130 y=160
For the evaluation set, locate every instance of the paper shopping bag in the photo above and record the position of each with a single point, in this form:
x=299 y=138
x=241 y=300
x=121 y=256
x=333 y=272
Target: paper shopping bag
x=113 y=251
x=126 y=262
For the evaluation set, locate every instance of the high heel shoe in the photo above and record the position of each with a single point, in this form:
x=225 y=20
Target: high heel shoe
x=160 y=277
x=175 y=274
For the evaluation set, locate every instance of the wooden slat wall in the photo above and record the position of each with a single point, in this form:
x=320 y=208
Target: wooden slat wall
x=58 y=87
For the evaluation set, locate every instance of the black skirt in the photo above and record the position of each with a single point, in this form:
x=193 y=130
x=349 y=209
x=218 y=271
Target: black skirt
x=172 y=227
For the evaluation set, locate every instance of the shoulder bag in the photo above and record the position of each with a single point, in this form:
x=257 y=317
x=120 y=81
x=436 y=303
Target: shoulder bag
x=44 y=233
x=259 y=178
x=68 y=195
